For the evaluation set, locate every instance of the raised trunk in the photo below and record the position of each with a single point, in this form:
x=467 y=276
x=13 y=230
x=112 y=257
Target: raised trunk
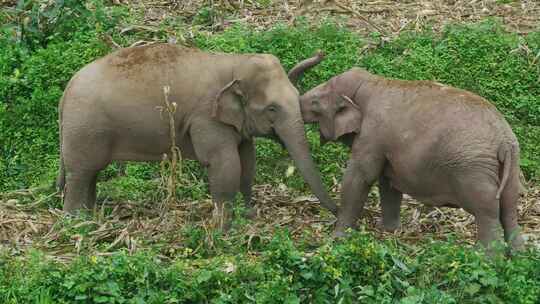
x=298 y=70
x=295 y=141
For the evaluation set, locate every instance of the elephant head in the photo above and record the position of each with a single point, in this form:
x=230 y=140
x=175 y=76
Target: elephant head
x=333 y=104
x=261 y=101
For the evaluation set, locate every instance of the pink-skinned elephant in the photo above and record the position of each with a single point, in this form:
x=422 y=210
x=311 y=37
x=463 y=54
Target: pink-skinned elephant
x=439 y=144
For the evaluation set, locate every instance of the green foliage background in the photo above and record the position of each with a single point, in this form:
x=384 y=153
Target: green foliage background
x=481 y=57
x=41 y=47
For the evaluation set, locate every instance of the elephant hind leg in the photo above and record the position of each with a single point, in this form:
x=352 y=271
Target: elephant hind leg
x=508 y=204
x=390 y=204
x=489 y=229
x=80 y=191
x=478 y=196
x=84 y=155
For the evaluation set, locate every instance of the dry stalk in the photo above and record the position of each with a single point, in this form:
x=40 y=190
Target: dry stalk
x=137 y=226
x=174 y=160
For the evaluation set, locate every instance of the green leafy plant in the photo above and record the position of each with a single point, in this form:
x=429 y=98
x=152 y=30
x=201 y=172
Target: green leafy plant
x=357 y=269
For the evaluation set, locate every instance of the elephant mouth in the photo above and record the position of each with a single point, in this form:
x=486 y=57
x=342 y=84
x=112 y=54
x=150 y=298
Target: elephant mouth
x=347 y=139
x=274 y=137
x=323 y=139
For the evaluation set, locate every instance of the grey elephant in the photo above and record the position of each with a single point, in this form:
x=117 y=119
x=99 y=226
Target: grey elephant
x=439 y=144
x=109 y=112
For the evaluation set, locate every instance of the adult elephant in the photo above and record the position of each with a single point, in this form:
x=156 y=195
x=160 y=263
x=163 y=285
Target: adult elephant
x=442 y=145
x=109 y=111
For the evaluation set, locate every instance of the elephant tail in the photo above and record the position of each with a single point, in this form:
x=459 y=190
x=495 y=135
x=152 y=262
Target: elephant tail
x=505 y=155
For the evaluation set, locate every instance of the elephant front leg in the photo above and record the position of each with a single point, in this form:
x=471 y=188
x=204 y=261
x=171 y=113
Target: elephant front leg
x=217 y=148
x=247 y=161
x=224 y=177
x=357 y=180
x=390 y=204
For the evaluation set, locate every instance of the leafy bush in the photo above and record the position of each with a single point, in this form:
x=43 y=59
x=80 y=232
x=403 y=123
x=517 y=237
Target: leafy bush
x=30 y=135
x=35 y=23
x=359 y=269
x=481 y=57
x=43 y=48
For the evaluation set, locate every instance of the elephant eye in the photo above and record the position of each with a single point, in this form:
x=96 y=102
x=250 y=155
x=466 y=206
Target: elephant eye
x=316 y=105
x=272 y=108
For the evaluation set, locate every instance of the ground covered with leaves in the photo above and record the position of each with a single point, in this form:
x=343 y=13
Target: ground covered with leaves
x=139 y=248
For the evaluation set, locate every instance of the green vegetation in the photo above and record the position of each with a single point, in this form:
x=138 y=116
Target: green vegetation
x=41 y=47
x=481 y=57
x=359 y=269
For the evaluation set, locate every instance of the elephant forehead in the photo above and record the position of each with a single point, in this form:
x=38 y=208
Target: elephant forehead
x=262 y=67
x=320 y=91
x=266 y=61
x=324 y=97
x=271 y=86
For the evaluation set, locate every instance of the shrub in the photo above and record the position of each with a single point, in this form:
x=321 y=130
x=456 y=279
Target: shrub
x=43 y=48
x=481 y=57
x=30 y=127
x=358 y=269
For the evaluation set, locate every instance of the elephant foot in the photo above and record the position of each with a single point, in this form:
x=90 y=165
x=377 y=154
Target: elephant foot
x=517 y=244
x=251 y=213
x=493 y=250
x=76 y=209
x=77 y=212
x=340 y=232
x=388 y=226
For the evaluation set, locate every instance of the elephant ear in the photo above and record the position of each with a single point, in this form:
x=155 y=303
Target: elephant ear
x=348 y=120
x=228 y=106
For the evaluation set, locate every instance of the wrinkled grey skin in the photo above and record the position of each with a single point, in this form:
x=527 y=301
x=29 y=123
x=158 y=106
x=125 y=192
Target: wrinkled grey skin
x=110 y=112
x=441 y=145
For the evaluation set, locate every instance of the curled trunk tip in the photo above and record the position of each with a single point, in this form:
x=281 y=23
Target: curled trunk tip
x=298 y=70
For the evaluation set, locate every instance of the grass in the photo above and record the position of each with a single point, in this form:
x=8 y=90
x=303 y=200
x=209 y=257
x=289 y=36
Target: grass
x=127 y=253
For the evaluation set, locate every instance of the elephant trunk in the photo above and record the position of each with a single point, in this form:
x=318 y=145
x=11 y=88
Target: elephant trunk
x=294 y=138
x=298 y=70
